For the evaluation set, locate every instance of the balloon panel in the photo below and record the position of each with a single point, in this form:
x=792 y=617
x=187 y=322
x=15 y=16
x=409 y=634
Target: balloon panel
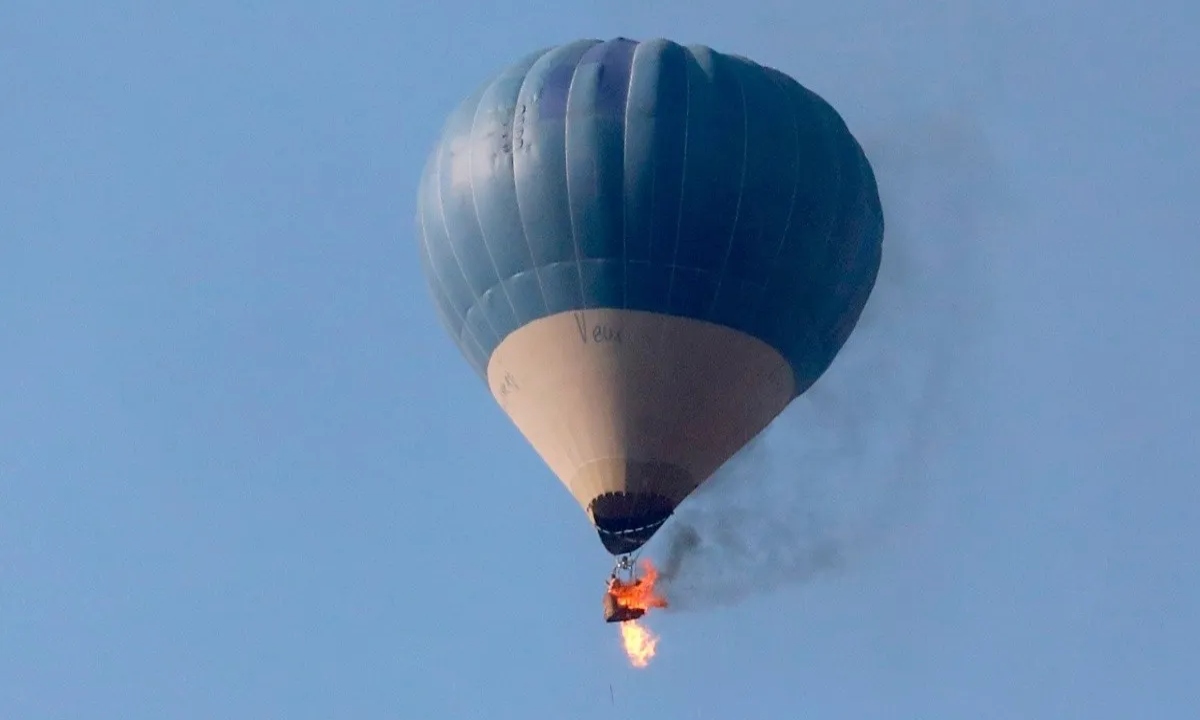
x=655 y=177
x=633 y=410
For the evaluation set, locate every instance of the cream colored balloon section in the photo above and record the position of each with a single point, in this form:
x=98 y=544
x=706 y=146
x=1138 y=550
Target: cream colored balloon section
x=602 y=393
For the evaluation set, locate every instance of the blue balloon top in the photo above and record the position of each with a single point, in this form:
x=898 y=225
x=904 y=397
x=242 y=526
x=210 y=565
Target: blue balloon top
x=656 y=177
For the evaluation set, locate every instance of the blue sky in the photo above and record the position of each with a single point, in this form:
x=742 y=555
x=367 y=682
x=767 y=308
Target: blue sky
x=244 y=474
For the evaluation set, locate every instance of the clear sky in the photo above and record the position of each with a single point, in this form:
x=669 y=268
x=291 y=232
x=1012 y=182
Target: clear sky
x=243 y=474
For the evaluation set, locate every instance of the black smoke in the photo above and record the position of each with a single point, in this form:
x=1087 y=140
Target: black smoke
x=846 y=465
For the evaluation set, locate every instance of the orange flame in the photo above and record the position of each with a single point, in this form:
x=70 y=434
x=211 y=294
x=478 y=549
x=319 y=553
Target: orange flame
x=640 y=594
x=640 y=644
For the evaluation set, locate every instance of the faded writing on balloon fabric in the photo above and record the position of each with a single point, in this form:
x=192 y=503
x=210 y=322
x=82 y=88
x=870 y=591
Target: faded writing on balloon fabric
x=596 y=334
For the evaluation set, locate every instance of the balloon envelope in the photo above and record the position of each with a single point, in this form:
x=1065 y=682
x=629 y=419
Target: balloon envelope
x=647 y=251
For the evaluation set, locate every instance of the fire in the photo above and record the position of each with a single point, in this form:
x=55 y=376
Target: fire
x=640 y=643
x=640 y=594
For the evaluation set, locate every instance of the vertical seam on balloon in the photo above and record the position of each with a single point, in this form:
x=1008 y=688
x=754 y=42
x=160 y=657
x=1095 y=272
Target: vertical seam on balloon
x=787 y=225
x=837 y=173
x=517 y=196
x=835 y=262
x=466 y=328
x=624 y=181
x=687 y=122
x=583 y=301
x=851 y=273
x=575 y=441
x=450 y=242
x=737 y=213
x=475 y=203
x=838 y=209
x=435 y=281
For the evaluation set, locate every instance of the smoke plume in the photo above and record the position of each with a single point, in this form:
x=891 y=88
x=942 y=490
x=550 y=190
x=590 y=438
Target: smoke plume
x=845 y=466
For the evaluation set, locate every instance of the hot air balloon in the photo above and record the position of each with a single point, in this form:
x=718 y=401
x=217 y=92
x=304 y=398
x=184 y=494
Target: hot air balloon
x=647 y=251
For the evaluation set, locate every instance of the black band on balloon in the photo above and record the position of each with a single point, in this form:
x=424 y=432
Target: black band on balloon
x=626 y=521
